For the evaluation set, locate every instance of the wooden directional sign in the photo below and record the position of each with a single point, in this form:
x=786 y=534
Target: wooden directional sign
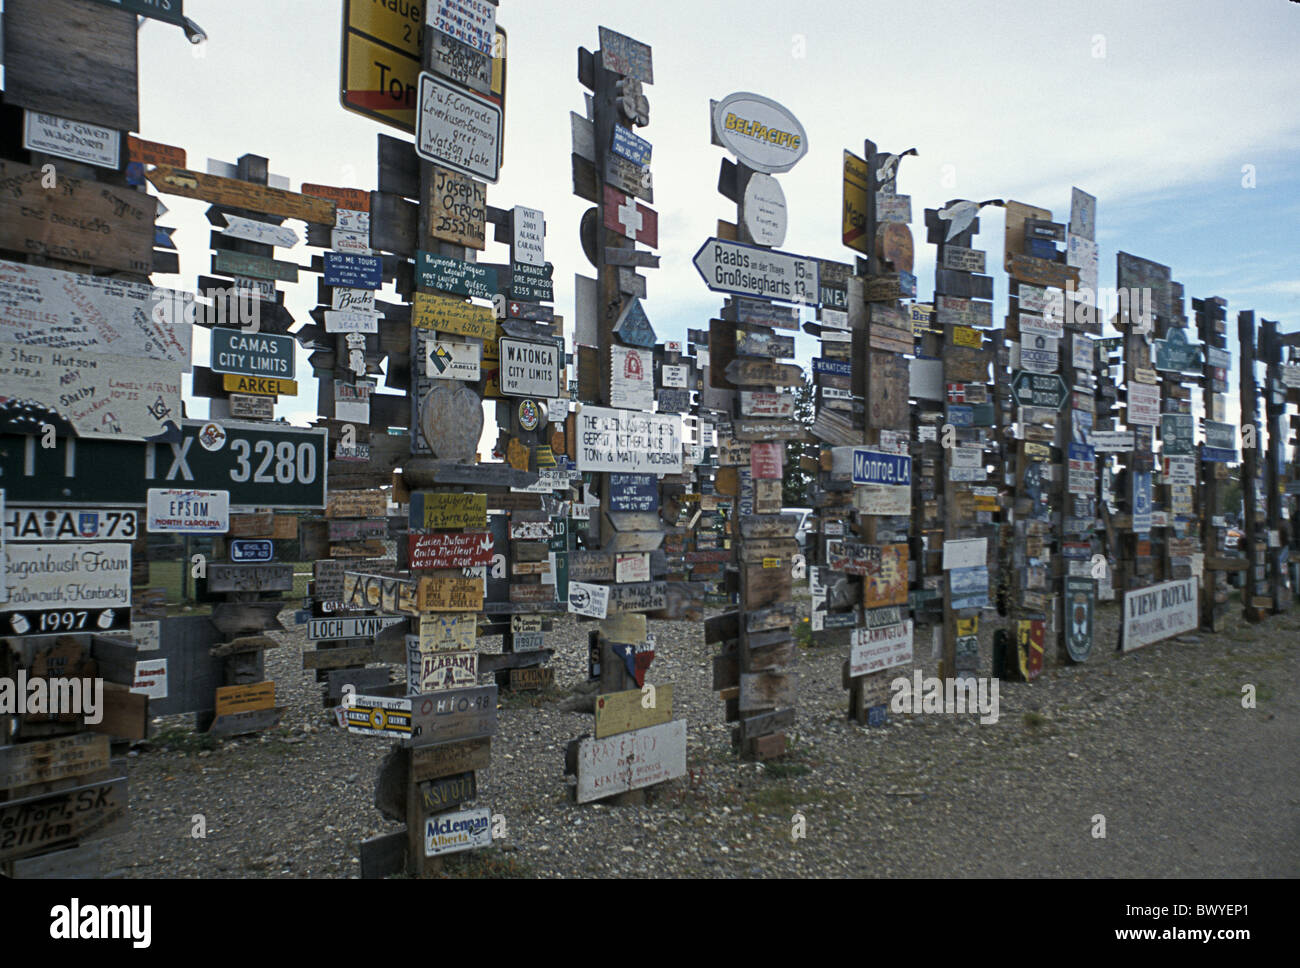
x=56 y=759
x=458 y=208
x=234 y=193
x=81 y=221
x=455 y=275
x=749 y=270
x=227 y=263
x=449 y=549
x=452 y=316
x=750 y=372
x=80 y=813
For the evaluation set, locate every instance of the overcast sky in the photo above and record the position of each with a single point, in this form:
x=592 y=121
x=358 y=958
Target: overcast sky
x=1155 y=107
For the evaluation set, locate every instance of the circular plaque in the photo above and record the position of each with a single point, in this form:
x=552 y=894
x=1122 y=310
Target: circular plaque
x=763 y=210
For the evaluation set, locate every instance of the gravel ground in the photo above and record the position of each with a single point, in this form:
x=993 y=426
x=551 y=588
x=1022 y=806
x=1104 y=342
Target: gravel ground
x=1156 y=741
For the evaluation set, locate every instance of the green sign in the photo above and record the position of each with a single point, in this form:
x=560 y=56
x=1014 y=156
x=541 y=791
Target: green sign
x=168 y=11
x=261 y=465
x=1177 y=434
x=454 y=275
x=252 y=354
x=531 y=283
x=1174 y=354
x=1039 y=389
x=558 y=543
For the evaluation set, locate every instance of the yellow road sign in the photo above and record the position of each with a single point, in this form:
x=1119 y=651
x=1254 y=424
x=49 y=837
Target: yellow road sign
x=265 y=386
x=856 y=184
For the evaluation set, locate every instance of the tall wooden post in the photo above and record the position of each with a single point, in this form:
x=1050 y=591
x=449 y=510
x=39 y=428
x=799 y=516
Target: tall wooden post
x=1211 y=321
x=1253 y=597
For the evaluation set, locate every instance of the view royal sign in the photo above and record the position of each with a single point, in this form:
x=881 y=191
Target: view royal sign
x=761 y=133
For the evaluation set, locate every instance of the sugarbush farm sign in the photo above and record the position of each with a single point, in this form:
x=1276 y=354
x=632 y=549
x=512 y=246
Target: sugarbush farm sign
x=1160 y=612
x=58 y=588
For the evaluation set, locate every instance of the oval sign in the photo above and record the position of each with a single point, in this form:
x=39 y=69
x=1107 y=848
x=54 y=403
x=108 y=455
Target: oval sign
x=760 y=132
x=763 y=210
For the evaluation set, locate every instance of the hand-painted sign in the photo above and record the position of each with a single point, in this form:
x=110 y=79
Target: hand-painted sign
x=1143 y=404
x=472 y=22
x=458 y=129
x=50 y=820
x=623 y=440
x=55 y=589
x=453 y=315
x=1160 y=612
x=250 y=230
x=448 y=632
x=633 y=492
x=529 y=236
x=763 y=210
x=188 y=511
x=968 y=587
x=760 y=132
x=450 y=510
x=236 y=193
x=625 y=56
x=449 y=549
x=630 y=760
x=455 y=275
x=749 y=270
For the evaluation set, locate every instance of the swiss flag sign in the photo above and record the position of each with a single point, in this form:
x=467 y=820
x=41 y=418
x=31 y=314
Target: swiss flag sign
x=630 y=219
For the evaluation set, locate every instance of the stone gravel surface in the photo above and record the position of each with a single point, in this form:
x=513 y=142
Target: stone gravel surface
x=1156 y=741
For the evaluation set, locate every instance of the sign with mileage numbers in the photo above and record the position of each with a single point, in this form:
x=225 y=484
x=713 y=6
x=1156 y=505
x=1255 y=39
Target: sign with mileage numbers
x=58 y=588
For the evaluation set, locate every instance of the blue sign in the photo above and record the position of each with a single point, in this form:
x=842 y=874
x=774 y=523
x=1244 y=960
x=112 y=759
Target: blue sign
x=628 y=145
x=633 y=326
x=1218 y=455
x=873 y=467
x=836 y=367
x=633 y=492
x=961 y=415
x=968 y=587
x=353 y=271
x=1082 y=452
x=243 y=550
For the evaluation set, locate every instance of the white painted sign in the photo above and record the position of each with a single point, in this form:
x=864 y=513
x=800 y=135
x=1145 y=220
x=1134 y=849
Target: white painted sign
x=48 y=309
x=447 y=833
x=748 y=270
x=150 y=678
x=238 y=227
x=1041 y=326
x=759 y=131
x=925 y=378
x=193 y=512
x=357 y=243
x=884 y=499
x=763 y=210
x=73 y=577
x=1160 y=612
x=528 y=368
x=631 y=378
x=589 y=600
x=1143 y=404
x=628 y=761
x=472 y=22
x=445 y=360
x=330 y=629
x=350 y=321
x=147 y=636
x=352 y=220
x=1111 y=441
x=872 y=650
x=77 y=140
x=965 y=553
x=631 y=567
x=530 y=236
x=624 y=440
x=758 y=403
x=458 y=129
x=676 y=375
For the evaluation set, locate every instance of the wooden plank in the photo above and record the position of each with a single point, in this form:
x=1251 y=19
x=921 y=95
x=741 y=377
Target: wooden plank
x=263 y=577
x=622 y=712
x=126 y=713
x=234 y=193
x=249 y=721
x=768 y=690
x=83 y=221
x=751 y=372
x=384 y=855
x=73 y=59
x=82 y=813
x=630 y=760
x=243 y=699
x=84 y=862
x=432 y=762
x=532 y=678
x=55 y=759
x=452 y=715
x=457 y=208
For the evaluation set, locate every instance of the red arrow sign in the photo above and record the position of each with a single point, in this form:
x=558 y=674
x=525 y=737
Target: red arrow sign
x=630 y=219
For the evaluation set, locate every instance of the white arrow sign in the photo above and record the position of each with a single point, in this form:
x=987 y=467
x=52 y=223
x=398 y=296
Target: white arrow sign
x=749 y=270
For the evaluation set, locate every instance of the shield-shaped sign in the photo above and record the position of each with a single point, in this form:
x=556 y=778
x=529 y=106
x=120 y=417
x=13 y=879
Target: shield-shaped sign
x=1080 y=599
x=1030 y=635
x=636 y=658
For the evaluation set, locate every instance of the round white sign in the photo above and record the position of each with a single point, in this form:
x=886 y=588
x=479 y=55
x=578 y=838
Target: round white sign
x=763 y=210
x=760 y=132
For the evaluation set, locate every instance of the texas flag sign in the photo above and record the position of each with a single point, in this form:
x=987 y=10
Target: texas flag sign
x=630 y=219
